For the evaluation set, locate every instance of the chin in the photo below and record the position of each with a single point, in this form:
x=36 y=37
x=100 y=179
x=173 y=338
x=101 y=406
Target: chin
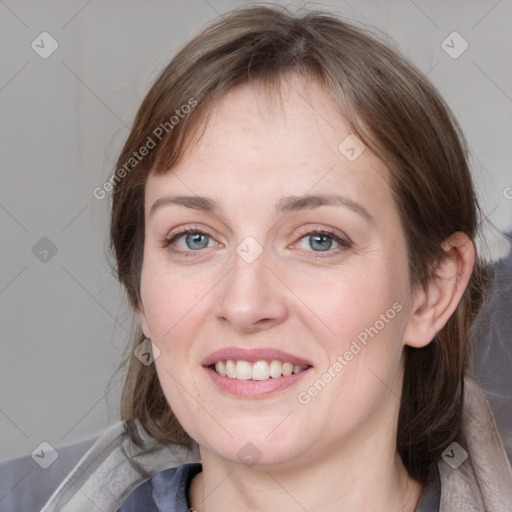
x=257 y=450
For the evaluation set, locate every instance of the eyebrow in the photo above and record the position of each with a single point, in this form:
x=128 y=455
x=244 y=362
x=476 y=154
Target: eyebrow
x=283 y=206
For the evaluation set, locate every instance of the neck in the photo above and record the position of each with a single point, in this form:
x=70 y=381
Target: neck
x=362 y=480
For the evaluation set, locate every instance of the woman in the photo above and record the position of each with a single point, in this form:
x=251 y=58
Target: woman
x=294 y=222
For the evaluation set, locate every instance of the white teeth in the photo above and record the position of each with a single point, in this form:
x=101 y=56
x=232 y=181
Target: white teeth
x=287 y=369
x=220 y=368
x=275 y=369
x=230 y=369
x=243 y=370
x=259 y=370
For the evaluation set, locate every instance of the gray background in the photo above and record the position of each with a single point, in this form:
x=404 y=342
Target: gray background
x=64 y=323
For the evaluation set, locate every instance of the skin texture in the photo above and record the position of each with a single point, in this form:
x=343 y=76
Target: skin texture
x=293 y=297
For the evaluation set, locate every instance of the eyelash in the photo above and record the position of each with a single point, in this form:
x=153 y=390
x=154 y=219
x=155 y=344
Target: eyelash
x=343 y=243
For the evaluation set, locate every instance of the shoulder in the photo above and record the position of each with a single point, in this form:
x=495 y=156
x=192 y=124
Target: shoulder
x=112 y=468
x=475 y=473
x=167 y=490
x=431 y=497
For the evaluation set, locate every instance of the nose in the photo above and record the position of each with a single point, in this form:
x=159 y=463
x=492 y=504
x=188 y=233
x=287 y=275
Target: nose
x=251 y=298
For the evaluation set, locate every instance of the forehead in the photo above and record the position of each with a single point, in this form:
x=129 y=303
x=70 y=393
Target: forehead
x=300 y=121
x=264 y=145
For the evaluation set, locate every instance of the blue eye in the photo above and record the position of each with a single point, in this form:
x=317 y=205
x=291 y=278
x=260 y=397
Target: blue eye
x=322 y=241
x=318 y=241
x=194 y=240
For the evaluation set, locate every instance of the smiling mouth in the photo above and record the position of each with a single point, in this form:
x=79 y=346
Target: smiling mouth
x=257 y=370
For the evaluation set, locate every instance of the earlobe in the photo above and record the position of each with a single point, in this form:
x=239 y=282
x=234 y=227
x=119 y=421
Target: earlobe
x=431 y=308
x=143 y=321
x=420 y=329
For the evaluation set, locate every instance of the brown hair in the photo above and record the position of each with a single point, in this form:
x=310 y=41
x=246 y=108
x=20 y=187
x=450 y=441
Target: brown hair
x=395 y=111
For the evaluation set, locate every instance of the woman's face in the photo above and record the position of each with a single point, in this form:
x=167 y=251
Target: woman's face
x=295 y=260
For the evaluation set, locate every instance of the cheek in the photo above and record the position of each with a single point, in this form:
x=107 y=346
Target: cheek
x=355 y=303
x=170 y=299
x=362 y=315
x=174 y=309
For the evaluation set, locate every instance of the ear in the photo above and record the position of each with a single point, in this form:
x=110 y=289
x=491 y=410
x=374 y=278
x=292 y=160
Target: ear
x=143 y=320
x=432 y=308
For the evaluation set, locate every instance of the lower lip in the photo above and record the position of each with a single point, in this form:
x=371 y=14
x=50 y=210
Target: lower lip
x=254 y=388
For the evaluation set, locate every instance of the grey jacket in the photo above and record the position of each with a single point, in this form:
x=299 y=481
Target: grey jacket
x=475 y=473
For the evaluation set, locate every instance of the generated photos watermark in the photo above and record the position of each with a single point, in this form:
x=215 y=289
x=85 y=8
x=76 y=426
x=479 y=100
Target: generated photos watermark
x=151 y=143
x=343 y=360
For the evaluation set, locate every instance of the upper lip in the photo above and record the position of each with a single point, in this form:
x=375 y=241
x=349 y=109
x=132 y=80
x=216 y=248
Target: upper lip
x=253 y=355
